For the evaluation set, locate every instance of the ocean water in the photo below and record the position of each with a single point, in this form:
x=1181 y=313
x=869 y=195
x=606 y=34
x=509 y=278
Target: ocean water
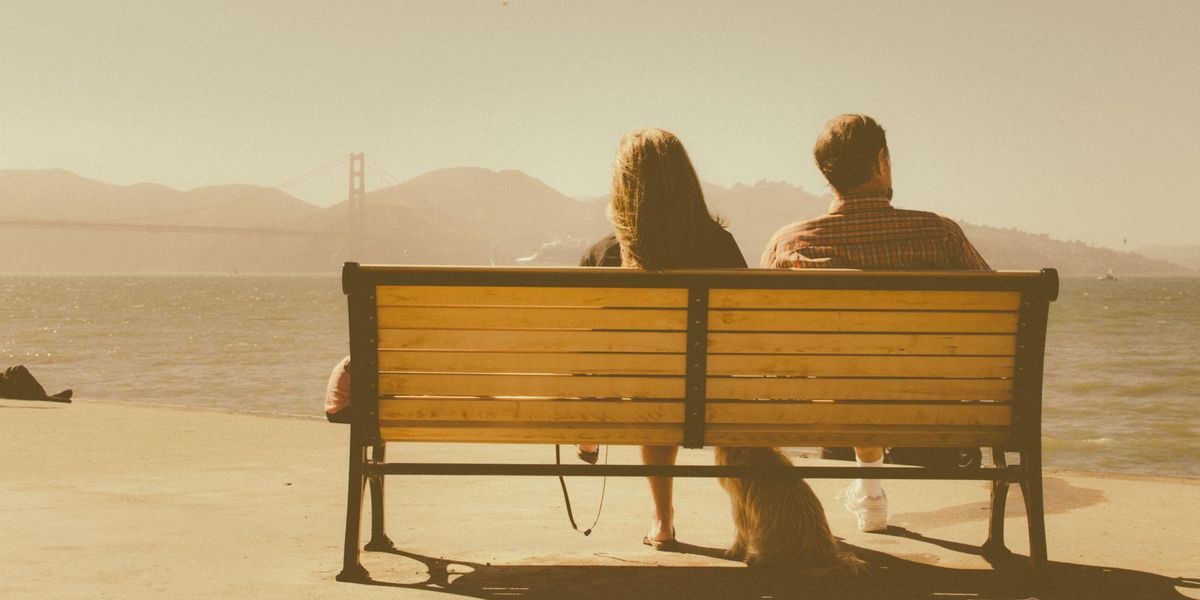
x=1122 y=385
x=1121 y=391
x=247 y=343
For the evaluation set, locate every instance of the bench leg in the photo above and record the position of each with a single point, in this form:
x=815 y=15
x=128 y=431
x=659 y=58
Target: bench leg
x=352 y=569
x=1031 y=489
x=994 y=546
x=379 y=540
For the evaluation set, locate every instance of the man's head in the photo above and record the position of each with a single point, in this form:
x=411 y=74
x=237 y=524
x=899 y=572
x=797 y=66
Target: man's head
x=851 y=151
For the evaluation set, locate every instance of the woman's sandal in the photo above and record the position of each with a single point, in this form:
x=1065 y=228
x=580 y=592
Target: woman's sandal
x=668 y=545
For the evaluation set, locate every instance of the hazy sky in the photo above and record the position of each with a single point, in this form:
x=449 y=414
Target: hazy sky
x=1080 y=120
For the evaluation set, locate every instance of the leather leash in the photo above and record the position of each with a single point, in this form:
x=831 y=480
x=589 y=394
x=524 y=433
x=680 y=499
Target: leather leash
x=567 y=496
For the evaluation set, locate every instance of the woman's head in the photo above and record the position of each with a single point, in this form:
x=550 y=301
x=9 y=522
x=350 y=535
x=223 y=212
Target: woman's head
x=657 y=207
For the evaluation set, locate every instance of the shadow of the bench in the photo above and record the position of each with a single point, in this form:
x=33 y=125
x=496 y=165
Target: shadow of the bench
x=889 y=577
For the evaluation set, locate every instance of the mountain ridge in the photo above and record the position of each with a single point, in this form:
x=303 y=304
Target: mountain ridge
x=457 y=215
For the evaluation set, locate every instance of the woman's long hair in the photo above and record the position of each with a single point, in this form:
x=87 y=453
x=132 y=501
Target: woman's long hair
x=657 y=207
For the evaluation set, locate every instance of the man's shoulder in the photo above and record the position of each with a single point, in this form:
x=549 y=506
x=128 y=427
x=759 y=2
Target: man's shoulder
x=930 y=219
x=960 y=252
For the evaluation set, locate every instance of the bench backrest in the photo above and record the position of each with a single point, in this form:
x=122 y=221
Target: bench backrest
x=729 y=357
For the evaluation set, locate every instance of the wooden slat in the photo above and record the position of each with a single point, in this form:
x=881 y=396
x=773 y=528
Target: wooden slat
x=421 y=295
x=906 y=437
x=559 y=386
x=532 y=341
x=716 y=435
x=868 y=343
x=751 y=388
x=860 y=366
x=844 y=413
x=896 y=389
x=864 y=299
x=626 y=411
x=636 y=434
x=863 y=321
x=532 y=362
x=492 y=317
x=528 y=410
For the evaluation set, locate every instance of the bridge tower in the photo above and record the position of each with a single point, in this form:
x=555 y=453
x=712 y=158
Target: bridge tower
x=356 y=204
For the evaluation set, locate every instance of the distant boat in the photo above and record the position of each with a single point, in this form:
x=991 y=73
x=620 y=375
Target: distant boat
x=1107 y=276
x=559 y=252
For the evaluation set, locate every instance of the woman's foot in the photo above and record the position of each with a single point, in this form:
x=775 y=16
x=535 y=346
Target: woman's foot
x=658 y=536
x=588 y=453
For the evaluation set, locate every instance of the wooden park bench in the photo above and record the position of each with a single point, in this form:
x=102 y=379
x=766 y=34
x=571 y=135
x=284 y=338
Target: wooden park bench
x=696 y=358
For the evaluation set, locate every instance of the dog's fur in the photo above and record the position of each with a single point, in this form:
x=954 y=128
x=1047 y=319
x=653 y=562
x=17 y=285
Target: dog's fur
x=779 y=520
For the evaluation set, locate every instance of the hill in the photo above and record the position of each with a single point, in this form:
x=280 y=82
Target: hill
x=1187 y=256
x=1014 y=249
x=453 y=216
x=61 y=195
x=450 y=216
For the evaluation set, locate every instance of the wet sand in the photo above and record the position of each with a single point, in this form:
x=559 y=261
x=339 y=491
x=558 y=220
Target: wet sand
x=114 y=500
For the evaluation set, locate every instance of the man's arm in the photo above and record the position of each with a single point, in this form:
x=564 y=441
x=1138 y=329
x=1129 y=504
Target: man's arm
x=967 y=256
x=767 y=261
x=771 y=253
x=972 y=258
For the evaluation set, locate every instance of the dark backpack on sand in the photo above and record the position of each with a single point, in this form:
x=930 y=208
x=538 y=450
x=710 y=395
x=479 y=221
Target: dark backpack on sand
x=18 y=383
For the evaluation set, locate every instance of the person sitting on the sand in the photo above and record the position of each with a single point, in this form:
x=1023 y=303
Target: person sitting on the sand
x=19 y=384
x=337 y=394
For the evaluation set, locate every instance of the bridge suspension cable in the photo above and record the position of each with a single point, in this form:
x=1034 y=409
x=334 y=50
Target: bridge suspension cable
x=381 y=172
x=305 y=177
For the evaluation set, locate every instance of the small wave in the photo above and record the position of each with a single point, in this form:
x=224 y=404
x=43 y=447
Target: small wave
x=1087 y=386
x=1058 y=443
x=1146 y=389
x=1189 y=432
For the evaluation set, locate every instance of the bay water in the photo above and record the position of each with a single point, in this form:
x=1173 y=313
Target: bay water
x=1121 y=389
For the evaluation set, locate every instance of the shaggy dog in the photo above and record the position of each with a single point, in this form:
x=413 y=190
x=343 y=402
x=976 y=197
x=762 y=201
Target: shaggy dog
x=779 y=521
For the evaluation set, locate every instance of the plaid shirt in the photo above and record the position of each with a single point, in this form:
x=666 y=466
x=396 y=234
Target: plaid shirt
x=865 y=232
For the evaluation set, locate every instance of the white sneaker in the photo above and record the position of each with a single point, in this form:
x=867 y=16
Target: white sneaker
x=870 y=510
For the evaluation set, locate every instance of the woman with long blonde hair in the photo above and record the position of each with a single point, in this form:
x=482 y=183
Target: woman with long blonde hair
x=660 y=221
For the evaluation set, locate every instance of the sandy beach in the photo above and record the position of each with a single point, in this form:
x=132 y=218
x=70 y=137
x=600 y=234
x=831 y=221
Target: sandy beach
x=115 y=500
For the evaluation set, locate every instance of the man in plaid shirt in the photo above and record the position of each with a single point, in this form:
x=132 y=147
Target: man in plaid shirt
x=863 y=231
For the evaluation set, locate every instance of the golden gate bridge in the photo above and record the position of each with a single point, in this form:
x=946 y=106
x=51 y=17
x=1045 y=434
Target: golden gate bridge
x=356 y=206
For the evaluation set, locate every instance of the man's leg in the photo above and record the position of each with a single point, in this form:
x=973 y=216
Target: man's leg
x=865 y=497
x=869 y=457
x=662 y=528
